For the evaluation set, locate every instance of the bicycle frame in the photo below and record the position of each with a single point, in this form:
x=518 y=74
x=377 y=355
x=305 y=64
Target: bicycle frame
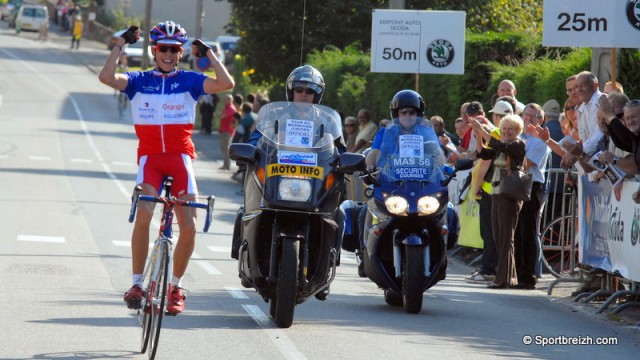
x=159 y=266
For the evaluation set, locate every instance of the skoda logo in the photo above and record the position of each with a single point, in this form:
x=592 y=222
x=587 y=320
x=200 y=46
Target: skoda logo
x=440 y=53
x=633 y=13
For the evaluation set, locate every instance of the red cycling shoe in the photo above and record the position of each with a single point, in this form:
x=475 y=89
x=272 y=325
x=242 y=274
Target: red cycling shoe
x=175 y=300
x=133 y=297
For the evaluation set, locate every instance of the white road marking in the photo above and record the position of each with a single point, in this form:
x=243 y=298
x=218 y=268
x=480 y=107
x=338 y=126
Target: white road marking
x=236 y=293
x=206 y=266
x=86 y=161
x=38 y=238
x=39 y=158
x=277 y=336
x=127 y=243
x=122 y=163
x=222 y=249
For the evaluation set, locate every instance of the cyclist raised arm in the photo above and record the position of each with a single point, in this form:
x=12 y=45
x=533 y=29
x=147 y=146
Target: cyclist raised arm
x=163 y=102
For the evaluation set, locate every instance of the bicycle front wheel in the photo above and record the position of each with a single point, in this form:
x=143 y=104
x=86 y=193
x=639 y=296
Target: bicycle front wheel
x=158 y=290
x=559 y=250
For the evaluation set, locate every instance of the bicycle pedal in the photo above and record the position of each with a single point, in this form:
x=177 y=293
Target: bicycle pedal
x=134 y=304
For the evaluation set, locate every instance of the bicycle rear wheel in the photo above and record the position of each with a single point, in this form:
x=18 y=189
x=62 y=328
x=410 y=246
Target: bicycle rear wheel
x=158 y=290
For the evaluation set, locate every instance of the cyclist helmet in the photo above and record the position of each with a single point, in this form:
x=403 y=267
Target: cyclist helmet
x=168 y=32
x=306 y=76
x=406 y=98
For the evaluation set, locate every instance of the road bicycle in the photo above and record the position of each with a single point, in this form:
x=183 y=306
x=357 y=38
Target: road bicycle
x=158 y=268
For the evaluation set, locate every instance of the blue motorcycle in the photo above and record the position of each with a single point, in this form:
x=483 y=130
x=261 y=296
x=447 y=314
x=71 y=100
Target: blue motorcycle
x=408 y=217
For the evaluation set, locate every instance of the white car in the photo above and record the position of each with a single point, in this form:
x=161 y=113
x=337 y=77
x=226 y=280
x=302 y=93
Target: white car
x=134 y=53
x=32 y=17
x=7 y=9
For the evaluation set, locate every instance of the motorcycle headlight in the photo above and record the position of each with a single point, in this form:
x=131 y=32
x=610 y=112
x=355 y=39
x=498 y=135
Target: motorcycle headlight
x=396 y=205
x=294 y=189
x=427 y=205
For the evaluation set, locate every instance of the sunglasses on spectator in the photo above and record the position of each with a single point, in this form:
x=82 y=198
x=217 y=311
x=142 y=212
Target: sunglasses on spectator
x=307 y=91
x=567 y=108
x=165 y=48
x=407 y=111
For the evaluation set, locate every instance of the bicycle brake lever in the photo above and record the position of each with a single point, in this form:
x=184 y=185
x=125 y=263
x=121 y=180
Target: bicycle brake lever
x=134 y=202
x=210 y=202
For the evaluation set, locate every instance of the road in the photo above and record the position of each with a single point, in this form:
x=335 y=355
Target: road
x=67 y=167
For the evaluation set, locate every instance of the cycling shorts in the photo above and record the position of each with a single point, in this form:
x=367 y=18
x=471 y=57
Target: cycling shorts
x=154 y=168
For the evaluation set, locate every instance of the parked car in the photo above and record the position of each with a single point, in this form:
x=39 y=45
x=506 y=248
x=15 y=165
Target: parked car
x=8 y=8
x=187 y=58
x=134 y=53
x=113 y=38
x=31 y=17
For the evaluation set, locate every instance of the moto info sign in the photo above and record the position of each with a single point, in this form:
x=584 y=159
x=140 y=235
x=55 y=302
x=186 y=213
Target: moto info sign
x=592 y=23
x=425 y=42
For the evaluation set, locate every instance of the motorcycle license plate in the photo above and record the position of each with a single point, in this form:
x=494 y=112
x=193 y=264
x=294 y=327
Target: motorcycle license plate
x=295 y=170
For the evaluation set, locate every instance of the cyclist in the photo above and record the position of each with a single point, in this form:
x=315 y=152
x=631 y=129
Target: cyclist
x=163 y=104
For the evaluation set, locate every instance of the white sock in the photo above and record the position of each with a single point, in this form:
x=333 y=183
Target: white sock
x=176 y=281
x=137 y=279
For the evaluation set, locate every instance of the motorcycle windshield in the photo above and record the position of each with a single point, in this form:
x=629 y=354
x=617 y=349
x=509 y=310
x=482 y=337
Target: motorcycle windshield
x=302 y=126
x=411 y=155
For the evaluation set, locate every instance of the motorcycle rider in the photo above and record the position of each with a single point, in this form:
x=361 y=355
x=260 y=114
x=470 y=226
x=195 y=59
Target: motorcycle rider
x=407 y=111
x=305 y=84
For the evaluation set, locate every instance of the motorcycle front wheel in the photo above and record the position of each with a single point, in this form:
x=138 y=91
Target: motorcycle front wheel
x=287 y=287
x=413 y=279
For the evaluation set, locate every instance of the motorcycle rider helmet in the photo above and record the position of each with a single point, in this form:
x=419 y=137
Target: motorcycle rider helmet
x=168 y=32
x=406 y=98
x=305 y=76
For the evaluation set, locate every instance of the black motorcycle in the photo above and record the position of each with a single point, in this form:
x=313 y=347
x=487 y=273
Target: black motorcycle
x=285 y=241
x=407 y=225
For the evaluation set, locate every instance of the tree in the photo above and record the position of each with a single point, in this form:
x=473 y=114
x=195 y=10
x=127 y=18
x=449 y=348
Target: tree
x=275 y=39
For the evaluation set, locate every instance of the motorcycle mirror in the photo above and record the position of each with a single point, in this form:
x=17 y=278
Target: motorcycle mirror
x=350 y=162
x=244 y=153
x=464 y=164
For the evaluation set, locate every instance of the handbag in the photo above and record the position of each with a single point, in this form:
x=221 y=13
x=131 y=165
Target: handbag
x=515 y=184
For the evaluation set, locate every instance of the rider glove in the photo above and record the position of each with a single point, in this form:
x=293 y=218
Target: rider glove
x=201 y=48
x=131 y=35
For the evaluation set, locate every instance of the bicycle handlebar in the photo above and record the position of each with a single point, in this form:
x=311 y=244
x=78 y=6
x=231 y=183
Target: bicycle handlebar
x=172 y=202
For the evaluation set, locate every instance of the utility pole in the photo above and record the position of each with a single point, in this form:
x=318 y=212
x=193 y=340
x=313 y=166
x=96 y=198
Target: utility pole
x=145 y=34
x=199 y=19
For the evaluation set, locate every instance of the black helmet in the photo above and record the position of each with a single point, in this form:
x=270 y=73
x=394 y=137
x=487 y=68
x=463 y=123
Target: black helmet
x=306 y=76
x=406 y=98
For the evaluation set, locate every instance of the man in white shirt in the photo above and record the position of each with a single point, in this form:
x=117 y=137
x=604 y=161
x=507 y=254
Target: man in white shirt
x=588 y=130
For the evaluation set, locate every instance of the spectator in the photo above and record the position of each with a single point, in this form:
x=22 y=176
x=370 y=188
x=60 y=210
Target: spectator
x=76 y=35
x=626 y=136
x=246 y=123
x=588 y=129
x=444 y=136
x=351 y=131
x=527 y=235
x=208 y=104
x=572 y=90
x=610 y=87
x=487 y=271
x=504 y=211
x=508 y=88
x=366 y=131
x=226 y=130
